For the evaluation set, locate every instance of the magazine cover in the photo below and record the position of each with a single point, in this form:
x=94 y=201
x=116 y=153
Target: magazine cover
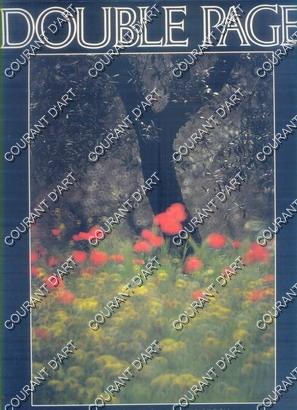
x=149 y=201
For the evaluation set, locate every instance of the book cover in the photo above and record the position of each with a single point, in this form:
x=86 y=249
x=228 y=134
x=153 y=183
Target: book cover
x=149 y=202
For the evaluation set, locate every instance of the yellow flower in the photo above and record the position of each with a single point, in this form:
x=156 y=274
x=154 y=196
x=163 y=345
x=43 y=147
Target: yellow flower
x=126 y=311
x=171 y=345
x=184 y=380
x=164 y=379
x=141 y=291
x=240 y=334
x=86 y=304
x=111 y=363
x=221 y=312
x=155 y=307
x=61 y=316
x=254 y=284
x=162 y=275
x=181 y=284
x=56 y=329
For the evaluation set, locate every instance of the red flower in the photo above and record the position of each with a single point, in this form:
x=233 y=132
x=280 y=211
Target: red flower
x=98 y=257
x=56 y=231
x=54 y=284
x=142 y=246
x=41 y=332
x=155 y=240
x=177 y=212
x=79 y=256
x=256 y=295
x=192 y=264
x=268 y=278
x=170 y=220
x=34 y=257
x=236 y=244
x=170 y=227
x=52 y=261
x=94 y=232
x=139 y=261
x=66 y=297
x=216 y=240
x=197 y=294
x=255 y=254
x=117 y=258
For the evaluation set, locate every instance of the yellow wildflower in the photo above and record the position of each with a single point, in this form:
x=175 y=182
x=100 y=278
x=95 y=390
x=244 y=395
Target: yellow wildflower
x=184 y=380
x=164 y=379
x=181 y=284
x=141 y=291
x=162 y=275
x=86 y=304
x=240 y=334
x=171 y=345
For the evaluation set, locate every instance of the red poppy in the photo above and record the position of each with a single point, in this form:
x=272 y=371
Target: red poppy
x=98 y=257
x=197 y=294
x=256 y=295
x=268 y=278
x=79 y=256
x=41 y=332
x=171 y=227
x=56 y=231
x=161 y=218
x=192 y=264
x=170 y=220
x=255 y=254
x=236 y=244
x=216 y=240
x=142 y=246
x=53 y=284
x=66 y=297
x=94 y=232
x=147 y=234
x=155 y=240
x=139 y=261
x=117 y=258
x=34 y=256
x=52 y=261
x=177 y=211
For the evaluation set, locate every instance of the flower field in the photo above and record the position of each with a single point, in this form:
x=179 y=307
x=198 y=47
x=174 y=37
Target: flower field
x=148 y=314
